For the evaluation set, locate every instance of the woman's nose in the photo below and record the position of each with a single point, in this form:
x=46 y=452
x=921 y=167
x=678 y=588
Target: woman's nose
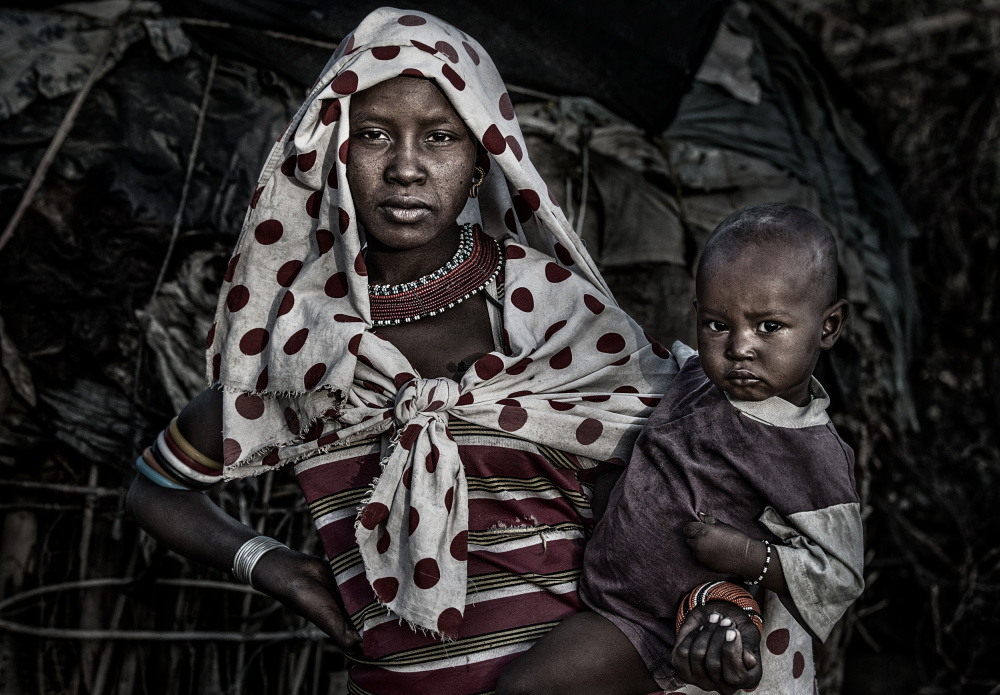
x=406 y=165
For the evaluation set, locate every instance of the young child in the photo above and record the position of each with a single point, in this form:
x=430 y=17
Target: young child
x=742 y=433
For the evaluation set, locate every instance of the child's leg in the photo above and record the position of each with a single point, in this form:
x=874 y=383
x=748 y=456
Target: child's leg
x=583 y=654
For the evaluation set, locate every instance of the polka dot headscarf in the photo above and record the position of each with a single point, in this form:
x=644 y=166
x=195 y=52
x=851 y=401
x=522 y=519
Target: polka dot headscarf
x=302 y=373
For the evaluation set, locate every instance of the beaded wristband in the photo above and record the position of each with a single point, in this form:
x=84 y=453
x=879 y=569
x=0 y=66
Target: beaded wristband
x=720 y=591
x=767 y=561
x=249 y=554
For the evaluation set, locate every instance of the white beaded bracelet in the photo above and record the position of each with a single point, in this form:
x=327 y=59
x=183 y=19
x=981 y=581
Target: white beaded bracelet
x=767 y=561
x=249 y=554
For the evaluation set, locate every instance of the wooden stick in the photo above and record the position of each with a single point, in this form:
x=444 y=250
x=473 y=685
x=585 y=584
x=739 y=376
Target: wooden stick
x=57 y=141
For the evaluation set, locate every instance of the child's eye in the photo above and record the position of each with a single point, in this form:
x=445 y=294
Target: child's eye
x=716 y=326
x=769 y=327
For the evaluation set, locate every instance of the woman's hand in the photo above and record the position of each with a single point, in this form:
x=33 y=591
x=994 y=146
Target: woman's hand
x=718 y=648
x=305 y=584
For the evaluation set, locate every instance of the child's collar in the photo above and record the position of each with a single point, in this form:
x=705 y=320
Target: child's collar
x=780 y=413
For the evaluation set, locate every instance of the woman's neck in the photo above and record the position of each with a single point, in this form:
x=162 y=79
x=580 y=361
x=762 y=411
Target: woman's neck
x=390 y=266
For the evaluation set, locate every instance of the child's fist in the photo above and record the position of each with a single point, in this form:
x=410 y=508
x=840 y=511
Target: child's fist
x=717 y=545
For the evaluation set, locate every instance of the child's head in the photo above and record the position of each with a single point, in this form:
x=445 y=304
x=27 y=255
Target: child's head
x=767 y=302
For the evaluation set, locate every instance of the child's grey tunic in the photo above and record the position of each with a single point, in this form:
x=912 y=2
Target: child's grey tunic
x=771 y=469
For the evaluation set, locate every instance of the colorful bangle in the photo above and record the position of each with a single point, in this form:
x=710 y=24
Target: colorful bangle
x=767 y=561
x=163 y=481
x=720 y=591
x=249 y=554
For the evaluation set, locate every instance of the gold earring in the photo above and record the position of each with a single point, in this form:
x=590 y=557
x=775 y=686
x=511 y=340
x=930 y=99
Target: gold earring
x=477 y=181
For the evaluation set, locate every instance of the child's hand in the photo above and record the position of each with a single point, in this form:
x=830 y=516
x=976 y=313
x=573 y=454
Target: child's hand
x=717 y=545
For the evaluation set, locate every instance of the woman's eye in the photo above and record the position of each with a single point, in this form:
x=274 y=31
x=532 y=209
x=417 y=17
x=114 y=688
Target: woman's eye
x=769 y=327
x=372 y=135
x=716 y=326
x=440 y=137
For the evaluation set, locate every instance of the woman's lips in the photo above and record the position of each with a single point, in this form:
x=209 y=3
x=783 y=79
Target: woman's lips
x=405 y=209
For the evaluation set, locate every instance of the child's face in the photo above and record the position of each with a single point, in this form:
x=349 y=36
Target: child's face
x=762 y=320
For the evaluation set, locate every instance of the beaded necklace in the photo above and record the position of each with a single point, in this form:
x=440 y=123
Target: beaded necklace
x=470 y=270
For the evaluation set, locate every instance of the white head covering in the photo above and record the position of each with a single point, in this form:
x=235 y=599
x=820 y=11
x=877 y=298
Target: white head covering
x=302 y=373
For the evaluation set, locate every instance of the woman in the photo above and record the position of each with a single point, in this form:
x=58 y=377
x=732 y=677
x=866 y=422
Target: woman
x=460 y=389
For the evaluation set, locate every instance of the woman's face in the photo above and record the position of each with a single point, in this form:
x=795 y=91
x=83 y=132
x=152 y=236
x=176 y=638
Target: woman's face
x=410 y=162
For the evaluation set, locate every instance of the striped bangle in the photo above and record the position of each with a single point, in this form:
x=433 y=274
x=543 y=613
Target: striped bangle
x=767 y=562
x=720 y=591
x=249 y=554
x=182 y=462
x=163 y=481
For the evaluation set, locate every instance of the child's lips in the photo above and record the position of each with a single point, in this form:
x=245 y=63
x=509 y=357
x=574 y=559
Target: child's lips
x=742 y=377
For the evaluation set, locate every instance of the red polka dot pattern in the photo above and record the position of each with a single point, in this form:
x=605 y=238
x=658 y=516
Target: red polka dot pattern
x=456 y=80
x=373 y=514
x=515 y=252
x=414 y=520
x=426 y=573
x=249 y=406
x=611 y=343
x=506 y=107
x=237 y=297
x=305 y=161
x=313 y=376
x=512 y=418
x=412 y=72
x=330 y=111
x=313 y=204
x=472 y=53
x=553 y=329
x=345 y=83
x=777 y=642
x=449 y=622
x=447 y=50
x=488 y=366
x=288 y=272
x=798 y=664
x=386 y=588
x=254 y=341
x=324 y=240
x=411 y=20
x=342 y=152
x=424 y=47
x=589 y=431
x=210 y=338
x=460 y=546
x=593 y=303
x=563 y=254
x=523 y=299
x=256 y=198
x=287 y=302
x=383 y=542
x=231 y=268
x=231 y=451
x=343 y=220
x=494 y=141
x=515 y=147
x=515 y=369
x=261 y=384
x=268 y=232
x=556 y=273
x=562 y=359
x=296 y=341
x=385 y=52
x=336 y=286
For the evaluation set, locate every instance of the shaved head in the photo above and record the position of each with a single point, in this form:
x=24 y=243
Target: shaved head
x=784 y=230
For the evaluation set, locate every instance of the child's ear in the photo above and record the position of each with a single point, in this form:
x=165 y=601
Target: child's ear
x=834 y=319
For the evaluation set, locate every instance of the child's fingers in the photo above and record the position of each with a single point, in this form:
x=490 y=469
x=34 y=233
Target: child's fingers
x=706 y=518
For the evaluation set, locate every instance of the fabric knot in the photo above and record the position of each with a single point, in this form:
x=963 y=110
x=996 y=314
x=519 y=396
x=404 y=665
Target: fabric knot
x=425 y=396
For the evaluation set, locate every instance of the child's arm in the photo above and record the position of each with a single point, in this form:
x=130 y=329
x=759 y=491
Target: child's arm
x=722 y=548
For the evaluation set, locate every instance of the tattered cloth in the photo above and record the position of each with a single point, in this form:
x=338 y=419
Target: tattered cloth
x=302 y=372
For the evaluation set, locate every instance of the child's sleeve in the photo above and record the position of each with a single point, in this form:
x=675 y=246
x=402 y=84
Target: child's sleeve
x=822 y=557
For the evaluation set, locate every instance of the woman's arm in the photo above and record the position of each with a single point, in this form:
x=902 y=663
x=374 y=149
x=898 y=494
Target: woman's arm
x=191 y=524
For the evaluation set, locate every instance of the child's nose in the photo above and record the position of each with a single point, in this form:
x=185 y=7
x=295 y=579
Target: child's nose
x=740 y=345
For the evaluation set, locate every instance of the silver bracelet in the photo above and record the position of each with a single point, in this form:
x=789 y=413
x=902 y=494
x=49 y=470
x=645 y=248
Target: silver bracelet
x=767 y=562
x=249 y=554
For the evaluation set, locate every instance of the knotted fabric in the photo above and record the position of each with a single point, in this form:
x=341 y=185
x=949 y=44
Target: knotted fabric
x=302 y=372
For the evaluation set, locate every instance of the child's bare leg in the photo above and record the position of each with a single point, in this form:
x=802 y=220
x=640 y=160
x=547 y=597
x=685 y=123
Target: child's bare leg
x=584 y=654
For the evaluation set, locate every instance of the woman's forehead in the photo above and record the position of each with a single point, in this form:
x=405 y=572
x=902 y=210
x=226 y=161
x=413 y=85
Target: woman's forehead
x=403 y=96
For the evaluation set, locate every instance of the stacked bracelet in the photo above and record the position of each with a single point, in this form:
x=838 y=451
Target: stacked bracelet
x=249 y=554
x=767 y=562
x=720 y=591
